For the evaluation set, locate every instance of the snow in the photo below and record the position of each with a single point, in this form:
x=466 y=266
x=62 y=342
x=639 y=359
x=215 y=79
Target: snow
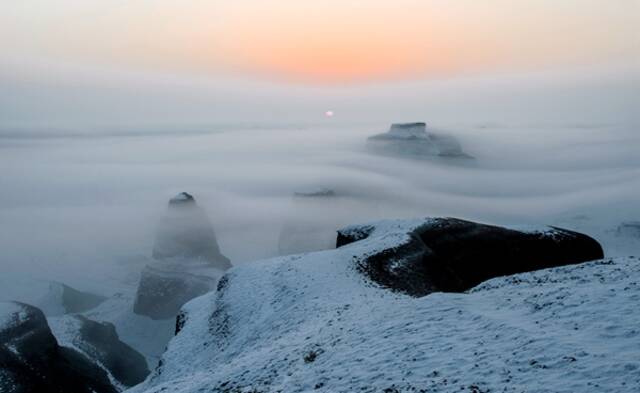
x=10 y=314
x=66 y=330
x=145 y=335
x=310 y=322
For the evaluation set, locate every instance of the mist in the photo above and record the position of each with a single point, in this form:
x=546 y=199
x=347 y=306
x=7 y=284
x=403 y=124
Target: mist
x=81 y=207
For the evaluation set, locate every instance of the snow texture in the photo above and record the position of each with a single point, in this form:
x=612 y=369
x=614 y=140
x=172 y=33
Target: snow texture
x=311 y=322
x=11 y=314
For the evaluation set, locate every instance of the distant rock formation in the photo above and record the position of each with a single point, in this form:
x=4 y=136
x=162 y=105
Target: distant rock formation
x=453 y=255
x=62 y=299
x=188 y=261
x=629 y=228
x=100 y=342
x=414 y=139
x=298 y=235
x=186 y=232
x=31 y=361
x=165 y=287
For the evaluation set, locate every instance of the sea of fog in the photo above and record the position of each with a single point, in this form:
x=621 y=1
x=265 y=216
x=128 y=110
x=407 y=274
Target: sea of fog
x=82 y=206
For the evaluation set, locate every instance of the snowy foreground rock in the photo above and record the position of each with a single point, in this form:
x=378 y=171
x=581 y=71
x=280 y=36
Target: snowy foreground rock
x=453 y=255
x=99 y=341
x=31 y=360
x=414 y=140
x=315 y=322
x=188 y=261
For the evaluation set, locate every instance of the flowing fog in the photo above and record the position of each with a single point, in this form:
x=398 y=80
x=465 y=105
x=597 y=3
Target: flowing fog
x=82 y=207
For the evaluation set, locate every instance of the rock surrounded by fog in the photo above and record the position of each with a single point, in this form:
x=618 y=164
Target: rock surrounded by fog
x=165 y=286
x=629 y=228
x=186 y=232
x=414 y=139
x=31 y=360
x=298 y=235
x=315 y=322
x=63 y=299
x=188 y=261
x=452 y=255
x=100 y=342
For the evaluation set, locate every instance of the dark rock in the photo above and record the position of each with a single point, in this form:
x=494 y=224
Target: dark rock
x=414 y=140
x=100 y=342
x=31 y=361
x=452 y=255
x=164 y=287
x=188 y=261
x=75 y=301
x=186 y=232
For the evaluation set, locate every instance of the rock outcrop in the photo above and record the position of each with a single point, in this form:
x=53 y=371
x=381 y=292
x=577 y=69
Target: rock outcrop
x=314 y=323
x=31 y=361
x=165 y=286
x=100 y=342
x=63 y=299
x=186 y=232
x=187 y=264
x=452 y=255
x=413 y=139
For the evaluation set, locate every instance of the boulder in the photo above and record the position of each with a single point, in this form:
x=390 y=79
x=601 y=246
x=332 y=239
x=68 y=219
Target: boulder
x=31 y=361
x=453 y=255
x=165 y=286
x=186 y=232
x=100 y=342
x=414 y=139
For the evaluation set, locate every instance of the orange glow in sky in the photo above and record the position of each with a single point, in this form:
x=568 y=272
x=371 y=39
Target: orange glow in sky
x=329 y=41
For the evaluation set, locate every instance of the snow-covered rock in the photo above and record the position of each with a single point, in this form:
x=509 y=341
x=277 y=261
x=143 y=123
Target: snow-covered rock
x=146 y=335
x=414 y=139
x=31 y=360
x=100 y=342
x=314 y=322
x=63 y=299
x=449 y=254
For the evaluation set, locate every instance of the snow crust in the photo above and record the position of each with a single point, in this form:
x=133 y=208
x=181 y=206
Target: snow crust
x=310 y=322
x=10 y=314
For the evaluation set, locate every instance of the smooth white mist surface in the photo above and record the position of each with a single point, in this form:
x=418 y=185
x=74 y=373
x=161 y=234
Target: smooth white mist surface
x=81 y=207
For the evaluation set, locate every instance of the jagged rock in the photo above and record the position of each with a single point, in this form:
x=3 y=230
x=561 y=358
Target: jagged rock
x=188 y=261
x=413 y=139
x=186 y=232
x=298 y=235
x=100 y=342
x=165 y=286
x=452 y=255
x=31 y=361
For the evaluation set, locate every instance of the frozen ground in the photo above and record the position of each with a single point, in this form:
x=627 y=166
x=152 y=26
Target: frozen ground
x=312 y=323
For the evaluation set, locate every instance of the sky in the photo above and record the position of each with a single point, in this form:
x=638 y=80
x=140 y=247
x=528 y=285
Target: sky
x=123 y=61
